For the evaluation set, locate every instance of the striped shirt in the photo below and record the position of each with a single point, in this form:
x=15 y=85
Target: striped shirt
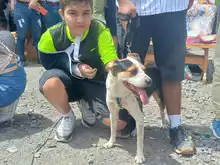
x=152 y=7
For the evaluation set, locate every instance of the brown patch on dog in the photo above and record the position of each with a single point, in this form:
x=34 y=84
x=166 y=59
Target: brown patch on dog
x=125 y=67
x=130 y=72
x=126 y=74
x=136 y=57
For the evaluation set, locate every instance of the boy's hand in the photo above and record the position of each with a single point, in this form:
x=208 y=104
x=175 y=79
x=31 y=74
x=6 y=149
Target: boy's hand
x=87 y=71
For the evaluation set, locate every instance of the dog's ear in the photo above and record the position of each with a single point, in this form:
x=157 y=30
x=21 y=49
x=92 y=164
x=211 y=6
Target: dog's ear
x=114 y=67
x=135 y=56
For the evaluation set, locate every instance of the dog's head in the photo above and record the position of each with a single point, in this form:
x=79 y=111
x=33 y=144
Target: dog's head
x=131 y=72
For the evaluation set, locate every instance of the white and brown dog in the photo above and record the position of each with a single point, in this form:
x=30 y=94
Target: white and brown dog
x=128 y=81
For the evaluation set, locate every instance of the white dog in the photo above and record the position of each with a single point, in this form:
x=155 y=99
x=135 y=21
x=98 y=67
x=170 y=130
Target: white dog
x=128 y=81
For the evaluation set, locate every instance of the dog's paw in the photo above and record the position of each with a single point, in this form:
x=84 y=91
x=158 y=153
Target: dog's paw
x=139 y=159
x=108 y=145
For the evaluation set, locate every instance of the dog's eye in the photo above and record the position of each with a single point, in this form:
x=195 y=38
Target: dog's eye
x=134 y=72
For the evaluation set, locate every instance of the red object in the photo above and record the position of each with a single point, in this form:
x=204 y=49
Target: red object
x=194 y=37
x=41 y=9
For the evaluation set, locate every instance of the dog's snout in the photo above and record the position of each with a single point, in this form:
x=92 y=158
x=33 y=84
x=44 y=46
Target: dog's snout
x=148 y=82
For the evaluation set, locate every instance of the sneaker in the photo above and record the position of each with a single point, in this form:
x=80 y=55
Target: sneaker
x=65 y=128
x=216 y=128
x=88 y=117
x=182 y=144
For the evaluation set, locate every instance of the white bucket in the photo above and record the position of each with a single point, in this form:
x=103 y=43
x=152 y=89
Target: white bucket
x=7 y=113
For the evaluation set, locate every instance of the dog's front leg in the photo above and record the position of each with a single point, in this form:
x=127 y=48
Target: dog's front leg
x=114 y=110
x=139 y=158
x=138 y=115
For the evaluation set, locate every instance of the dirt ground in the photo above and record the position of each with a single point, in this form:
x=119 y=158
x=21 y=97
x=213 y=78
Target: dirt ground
x=28 y=139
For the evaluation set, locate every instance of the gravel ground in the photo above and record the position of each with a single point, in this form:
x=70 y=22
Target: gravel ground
x=28 y=139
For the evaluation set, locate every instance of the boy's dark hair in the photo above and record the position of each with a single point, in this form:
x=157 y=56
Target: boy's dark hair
x=64 y=3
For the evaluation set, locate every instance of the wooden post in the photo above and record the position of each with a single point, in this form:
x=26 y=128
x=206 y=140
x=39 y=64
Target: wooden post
x=205 y=65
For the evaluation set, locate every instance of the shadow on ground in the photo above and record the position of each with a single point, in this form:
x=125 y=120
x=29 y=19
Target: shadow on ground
x=23 y=125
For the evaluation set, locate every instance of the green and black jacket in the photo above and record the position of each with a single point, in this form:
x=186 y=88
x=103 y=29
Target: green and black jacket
x=96 y=48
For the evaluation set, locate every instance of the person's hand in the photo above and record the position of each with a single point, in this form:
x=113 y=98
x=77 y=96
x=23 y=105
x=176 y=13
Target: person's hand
x=33 y=4
x=12 y=5
x=126 y=7
x=87 y=71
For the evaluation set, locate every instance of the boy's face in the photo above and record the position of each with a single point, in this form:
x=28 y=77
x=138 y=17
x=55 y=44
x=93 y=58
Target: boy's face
x=78 y=17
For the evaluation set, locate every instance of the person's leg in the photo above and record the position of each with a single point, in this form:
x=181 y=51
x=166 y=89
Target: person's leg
x=141 y=29
x=12 y=85
x=170 y=51
x=6 y=11
x=216 y=88
x=21 y=13
x=35 y=27
x=58 y=89
x=52 y=16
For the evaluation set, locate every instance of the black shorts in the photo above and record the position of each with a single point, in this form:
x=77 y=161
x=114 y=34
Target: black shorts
x=168 y=33
x=92 y=92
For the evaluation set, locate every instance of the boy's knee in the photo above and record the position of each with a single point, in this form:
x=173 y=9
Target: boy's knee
x=50 y=84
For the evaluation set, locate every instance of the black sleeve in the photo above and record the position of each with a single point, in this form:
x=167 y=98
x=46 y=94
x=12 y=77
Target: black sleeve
x=110 y=16
x=58 y=61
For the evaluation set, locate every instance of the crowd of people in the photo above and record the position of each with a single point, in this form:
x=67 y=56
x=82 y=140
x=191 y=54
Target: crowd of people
x=77 y=40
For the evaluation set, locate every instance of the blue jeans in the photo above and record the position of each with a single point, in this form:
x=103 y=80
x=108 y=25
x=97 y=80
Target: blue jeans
x=25 y=17
x=52 y=17
x=12 y=85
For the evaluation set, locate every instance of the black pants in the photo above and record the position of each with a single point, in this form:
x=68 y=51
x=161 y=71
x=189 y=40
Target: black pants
x=168 y=33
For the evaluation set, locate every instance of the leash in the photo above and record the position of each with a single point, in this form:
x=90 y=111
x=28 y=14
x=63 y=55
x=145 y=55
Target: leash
x=131 y=22
x=127 y=36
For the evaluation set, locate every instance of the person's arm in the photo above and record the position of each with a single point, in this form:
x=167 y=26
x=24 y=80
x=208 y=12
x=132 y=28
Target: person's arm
x=110 y=17
x=50 y=58
x=12 y=5
x=190 y=3
x=106 y=48
x=111 y=22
